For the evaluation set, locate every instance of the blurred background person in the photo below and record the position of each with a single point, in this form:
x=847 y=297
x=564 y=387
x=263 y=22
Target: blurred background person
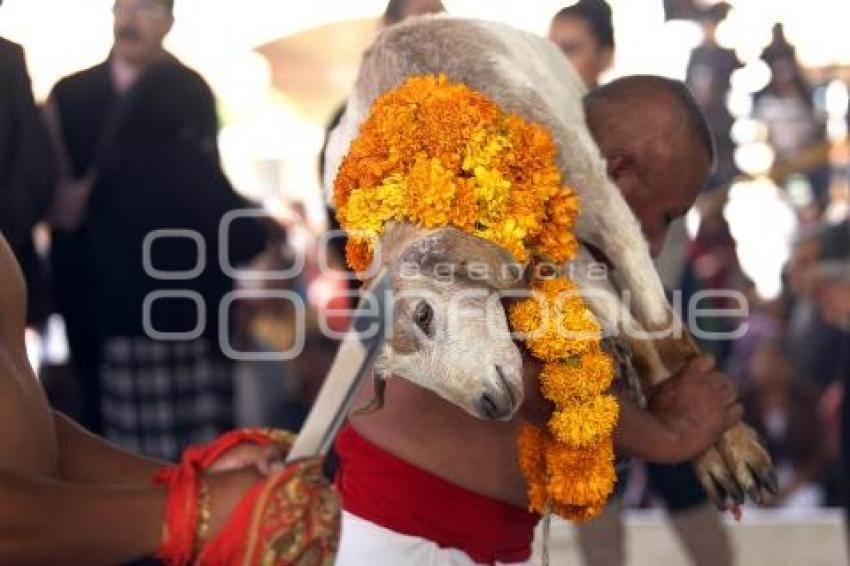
x=709 y=73
x=712 y=265
x=27 y=178
x=787 y=108
x=783 y=410
x=82 y=109
x=827 y=285
x=165 y=382
x=399 y=10
x=585 y=34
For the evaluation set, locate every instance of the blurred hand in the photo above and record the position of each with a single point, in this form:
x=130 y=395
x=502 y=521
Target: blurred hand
x=266 y=460
x=695 y=406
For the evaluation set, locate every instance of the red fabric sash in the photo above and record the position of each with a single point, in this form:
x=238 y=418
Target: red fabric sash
x=387 y=491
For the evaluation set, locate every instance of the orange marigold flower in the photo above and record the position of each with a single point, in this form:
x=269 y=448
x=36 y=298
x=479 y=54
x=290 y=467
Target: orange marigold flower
x=430 y=193
x=578 y=513
x=358 y=253
x=577 y=378
x=581 y=425
x=556 y=321
x=581 y=477
x=465 y=214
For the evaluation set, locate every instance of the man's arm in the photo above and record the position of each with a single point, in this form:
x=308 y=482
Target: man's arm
x=690 y=410
x=686 y=415
x=87 y=459
x=90 y=460
x=45 y=522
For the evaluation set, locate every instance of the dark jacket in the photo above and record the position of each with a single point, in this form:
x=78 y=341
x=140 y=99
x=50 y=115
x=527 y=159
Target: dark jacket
x=161 y=172
x=27 y=175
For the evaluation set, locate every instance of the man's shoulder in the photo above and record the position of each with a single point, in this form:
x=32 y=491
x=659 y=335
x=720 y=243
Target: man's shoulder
x=82 y=80
x=11 y=54
x=11 y=49
x=189 y=74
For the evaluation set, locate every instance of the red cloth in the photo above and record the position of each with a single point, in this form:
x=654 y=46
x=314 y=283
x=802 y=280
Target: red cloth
x=389 y=492
x=289 y=518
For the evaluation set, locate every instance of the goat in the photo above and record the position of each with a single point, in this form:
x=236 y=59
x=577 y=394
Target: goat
x=527 y=75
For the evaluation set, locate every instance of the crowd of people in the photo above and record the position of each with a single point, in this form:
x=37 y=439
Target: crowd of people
x=112 y=198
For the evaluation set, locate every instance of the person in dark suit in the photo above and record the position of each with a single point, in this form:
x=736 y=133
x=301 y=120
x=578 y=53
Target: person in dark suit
x=83 y=110
x=161 y=172
x=27 y=174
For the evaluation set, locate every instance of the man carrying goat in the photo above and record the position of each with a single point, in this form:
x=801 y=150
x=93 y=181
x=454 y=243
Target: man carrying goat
x=426 y=481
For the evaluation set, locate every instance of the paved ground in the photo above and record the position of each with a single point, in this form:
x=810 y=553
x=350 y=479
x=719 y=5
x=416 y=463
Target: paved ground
x=761 y=539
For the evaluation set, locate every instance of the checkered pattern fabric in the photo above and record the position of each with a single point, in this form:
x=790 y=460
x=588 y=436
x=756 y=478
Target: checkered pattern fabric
x=158 y=398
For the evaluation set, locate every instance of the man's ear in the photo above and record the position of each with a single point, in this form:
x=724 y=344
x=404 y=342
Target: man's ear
x=622 y=171
x=619 y=165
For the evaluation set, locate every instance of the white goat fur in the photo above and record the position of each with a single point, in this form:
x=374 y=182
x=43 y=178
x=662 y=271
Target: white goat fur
x=527 y=75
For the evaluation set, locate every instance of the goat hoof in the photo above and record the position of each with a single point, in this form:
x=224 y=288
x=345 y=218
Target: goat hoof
x=748 y=461
x=715 y=477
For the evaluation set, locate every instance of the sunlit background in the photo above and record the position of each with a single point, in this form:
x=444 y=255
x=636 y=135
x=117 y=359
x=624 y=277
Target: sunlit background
x=279 y=68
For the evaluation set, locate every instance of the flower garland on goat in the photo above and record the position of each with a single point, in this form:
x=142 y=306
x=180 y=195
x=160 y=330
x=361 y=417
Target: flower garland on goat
x=436 y=153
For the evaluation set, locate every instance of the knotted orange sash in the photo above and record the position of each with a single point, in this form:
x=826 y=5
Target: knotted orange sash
x=290 y=518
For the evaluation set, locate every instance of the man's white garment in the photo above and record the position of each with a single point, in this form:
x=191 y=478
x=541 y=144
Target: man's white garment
x=364 y=543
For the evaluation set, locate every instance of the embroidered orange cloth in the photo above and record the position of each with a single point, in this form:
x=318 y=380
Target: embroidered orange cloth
x=290 y=519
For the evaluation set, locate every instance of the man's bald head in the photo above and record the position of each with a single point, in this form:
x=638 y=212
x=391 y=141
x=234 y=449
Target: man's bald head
x=642 y=103
x=658 y=146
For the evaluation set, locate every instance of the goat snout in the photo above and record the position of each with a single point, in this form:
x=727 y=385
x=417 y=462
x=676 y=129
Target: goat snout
x=495 y=406
x=499 y=401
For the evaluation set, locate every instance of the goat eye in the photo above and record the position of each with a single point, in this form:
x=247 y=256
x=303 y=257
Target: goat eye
x=423 y=316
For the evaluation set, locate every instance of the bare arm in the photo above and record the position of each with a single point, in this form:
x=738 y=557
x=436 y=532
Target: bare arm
x=45 y=522
x=87 y=459
x=687 y=413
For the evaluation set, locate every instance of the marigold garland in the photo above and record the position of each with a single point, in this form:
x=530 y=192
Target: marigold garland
x=436 y=153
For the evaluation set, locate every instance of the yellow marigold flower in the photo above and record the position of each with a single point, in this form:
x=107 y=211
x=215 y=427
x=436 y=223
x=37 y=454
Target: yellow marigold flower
x=581 y=425
x=369 y=209
x=483 y=147
x=430 y=193
x=491 y=192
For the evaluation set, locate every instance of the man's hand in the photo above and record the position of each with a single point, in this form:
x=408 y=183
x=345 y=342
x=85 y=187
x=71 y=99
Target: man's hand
x=694 y=407
x=266 y=459
x=687 y=413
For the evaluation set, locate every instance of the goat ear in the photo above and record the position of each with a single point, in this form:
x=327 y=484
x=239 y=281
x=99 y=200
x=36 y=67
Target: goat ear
x=472 y=257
